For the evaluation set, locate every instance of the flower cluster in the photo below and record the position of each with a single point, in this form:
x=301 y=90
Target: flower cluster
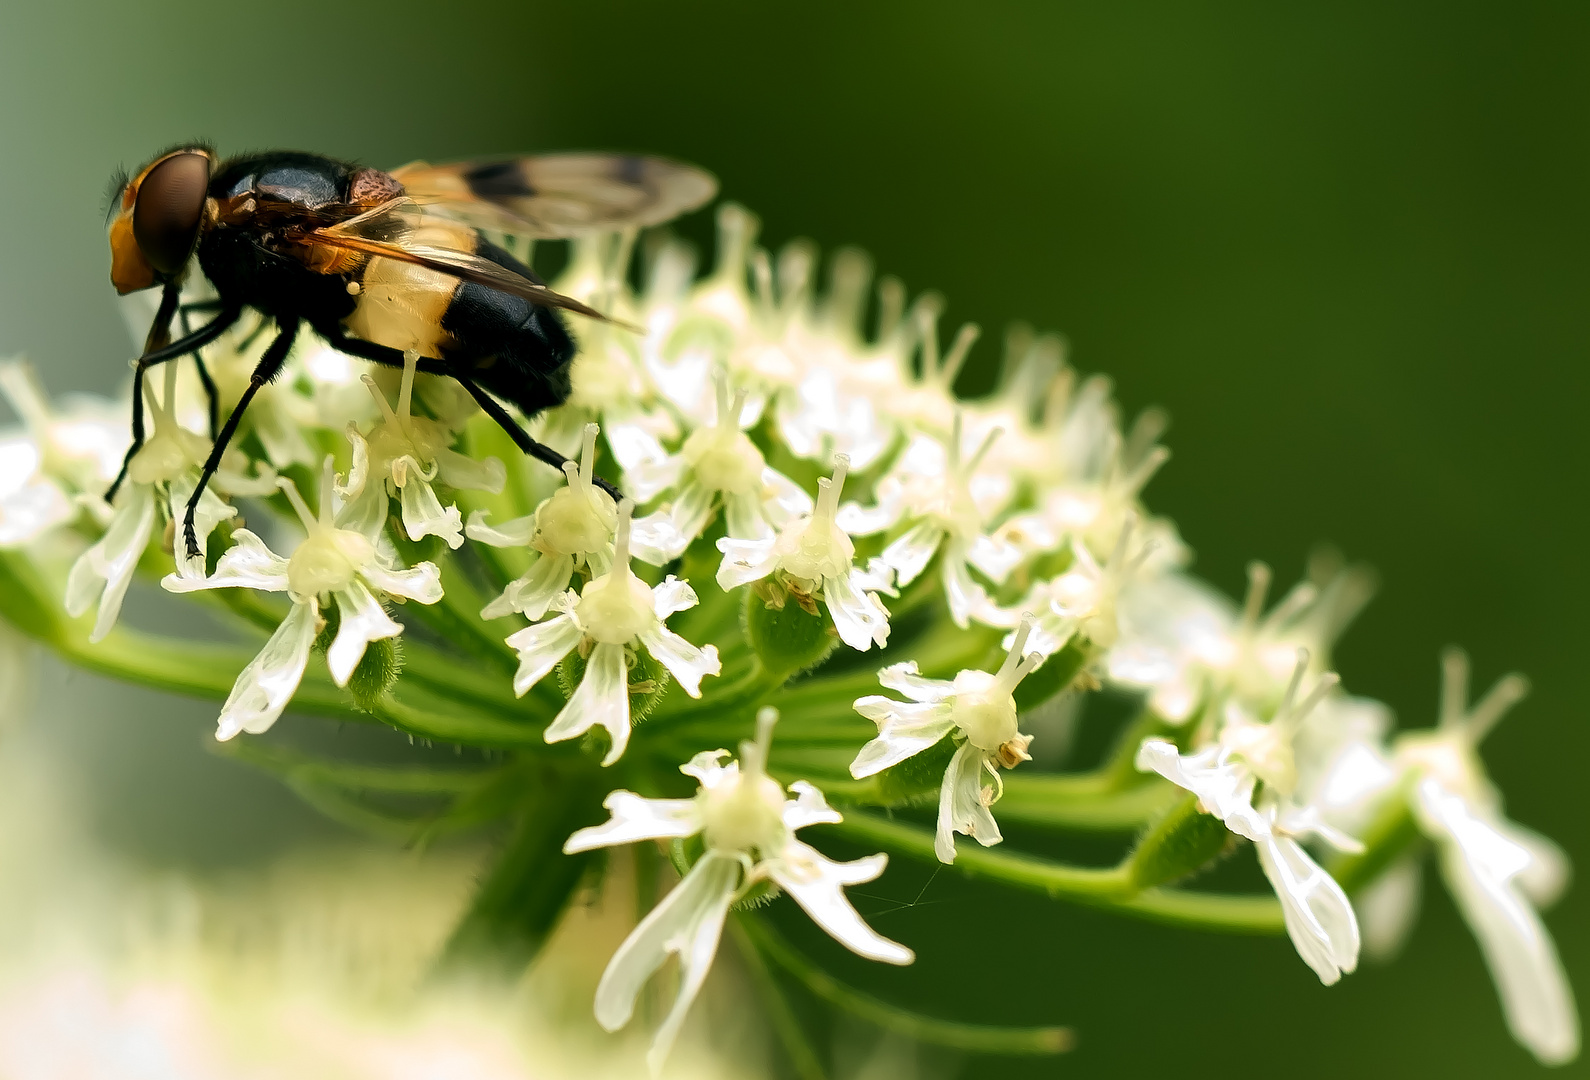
x=808 y=506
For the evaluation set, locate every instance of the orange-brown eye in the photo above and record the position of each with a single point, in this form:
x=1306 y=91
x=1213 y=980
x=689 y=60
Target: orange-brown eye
x=166 y=215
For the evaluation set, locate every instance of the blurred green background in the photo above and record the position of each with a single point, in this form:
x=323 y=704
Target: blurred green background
x=1344 y=244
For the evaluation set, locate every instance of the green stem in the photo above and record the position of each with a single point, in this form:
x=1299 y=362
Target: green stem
x=1108 y=888
x=520 y=900
x=1084 y=801
x=1054 y=879
x=803 y=1059
x=976 y=1038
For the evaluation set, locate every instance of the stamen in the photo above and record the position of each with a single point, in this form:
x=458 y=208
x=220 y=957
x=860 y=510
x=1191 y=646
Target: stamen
x=1454 y=686
x=1508 y=691
x=736 y=409
x=571 y=473
x=1058 y=399
x=956 y=357
x=588 y=454
x=1285 y=709
x=626 y=510
x=1144 y=471
x=982 y=450
x=380 y=399
x=1123 y=539
x=762 y=280
x=328 y=477
x=290 y=489
x=720 y=387
x=848 y=274
x=891 y=307
x=1010 y=672
x=1292 y=604
x=405 y=405
x=828 y=490
x=754 y=755
x=1258 y=588
x=1327 y=682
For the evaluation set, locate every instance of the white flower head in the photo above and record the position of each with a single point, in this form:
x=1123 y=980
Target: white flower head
x=977 y=707
x=947 y=501
x=402 y=456
x=613 y=615
x=162 y=474
x=747 y=824
x=79 y=444
x=572 y=529
x=333 y=564
x=1498 y=872
x=717 y=467
x=1248 y=759
x=1085 y=598
x=814 y=558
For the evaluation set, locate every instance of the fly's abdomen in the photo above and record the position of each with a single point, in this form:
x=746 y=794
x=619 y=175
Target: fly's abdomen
x=405 y=307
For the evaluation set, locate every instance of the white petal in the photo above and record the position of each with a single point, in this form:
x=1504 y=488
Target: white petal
x=513 y=533
x=650 y=478
x=602 y=698
x=745 y=561
x=817 y=883
x=636 y=818
x=106 y=569
x=858 y=520
x=209 y=513
x=692 y=510
x=358 y=478
x=994 y=557
x=961 y=808
x=967 y=600
x=546 y=579
x=268 y=683
x=905 y=728
x=903 y=677
x=860 y=617
x=1319 y=919
x=1481 y=867
x=32 y=510
x=913 y=550
x=783 y=499
x=247 y=564
x=708 y=767
x=687 y=923
x=672 y=596
x=743 y=517
x=421 y=582
x=423 y=514
x=459 y=471
x=540 y=647
x=687 y=663
x=365 y=511
x=808 y=808
x=1388 y=907
x=1545 y=878
x=654 y=540
x=362 y=620
x=1224 y=788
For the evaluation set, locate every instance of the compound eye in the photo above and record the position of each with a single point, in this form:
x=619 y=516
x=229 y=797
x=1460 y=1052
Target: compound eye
x=166 y=216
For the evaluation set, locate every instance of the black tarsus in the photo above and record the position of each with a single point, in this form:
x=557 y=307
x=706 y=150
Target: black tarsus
x=518 y=434
x=269 y=366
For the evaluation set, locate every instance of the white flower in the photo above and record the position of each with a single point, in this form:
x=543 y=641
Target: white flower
x=572 y=529
x=80 y=443
x=402 y=455
x=1172 y=627
x=747 y=825
x=612 y=616
x=1084 y=599
x=718 y=466
x=1226 y=775
x=979 y=709
x=812 y=557
x=164 y=472
x=332 y=564
x=31 y=503
x=947 y=503
x=1499 y=872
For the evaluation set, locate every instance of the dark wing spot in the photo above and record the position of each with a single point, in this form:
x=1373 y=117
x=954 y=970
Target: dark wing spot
x=498 y=180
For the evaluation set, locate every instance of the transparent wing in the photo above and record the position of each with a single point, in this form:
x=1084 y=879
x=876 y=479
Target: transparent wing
x=558 y=196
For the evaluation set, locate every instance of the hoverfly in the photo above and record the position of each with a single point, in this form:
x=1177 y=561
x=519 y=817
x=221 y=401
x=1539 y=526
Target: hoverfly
x=378 y=264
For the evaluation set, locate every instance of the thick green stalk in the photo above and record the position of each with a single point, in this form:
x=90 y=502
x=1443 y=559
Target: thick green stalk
x=519 y=901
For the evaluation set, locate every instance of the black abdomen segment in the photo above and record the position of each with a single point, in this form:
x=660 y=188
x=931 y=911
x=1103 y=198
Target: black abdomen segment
x=518 y=350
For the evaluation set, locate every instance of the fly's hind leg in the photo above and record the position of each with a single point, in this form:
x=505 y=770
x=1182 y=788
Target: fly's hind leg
x=539 y=451
x=383 y=354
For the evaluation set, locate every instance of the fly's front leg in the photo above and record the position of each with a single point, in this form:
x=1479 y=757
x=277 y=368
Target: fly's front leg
x=269 y=366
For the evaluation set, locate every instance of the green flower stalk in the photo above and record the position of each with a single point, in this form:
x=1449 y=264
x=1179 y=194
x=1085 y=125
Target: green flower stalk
x=812 y=515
